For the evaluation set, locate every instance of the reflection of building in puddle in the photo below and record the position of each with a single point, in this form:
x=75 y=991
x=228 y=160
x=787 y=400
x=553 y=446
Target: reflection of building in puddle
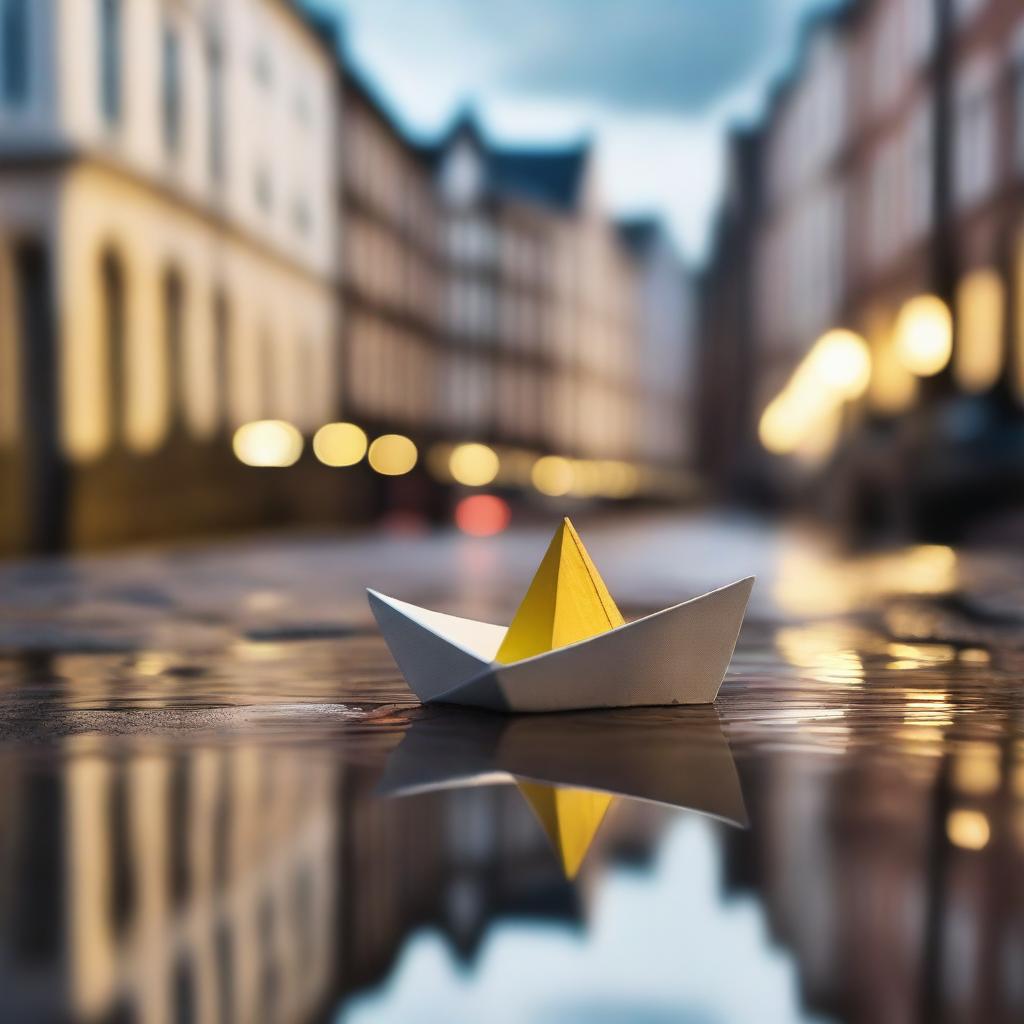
x=661 y=945
x=155 y=885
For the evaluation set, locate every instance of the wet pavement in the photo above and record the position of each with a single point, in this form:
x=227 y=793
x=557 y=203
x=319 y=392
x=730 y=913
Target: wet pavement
x=219 y=801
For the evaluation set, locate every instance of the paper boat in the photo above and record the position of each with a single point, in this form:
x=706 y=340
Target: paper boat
x=568 y=647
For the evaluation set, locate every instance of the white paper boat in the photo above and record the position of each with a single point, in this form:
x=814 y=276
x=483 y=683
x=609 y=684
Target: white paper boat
x=676 y=759
x=676 y=656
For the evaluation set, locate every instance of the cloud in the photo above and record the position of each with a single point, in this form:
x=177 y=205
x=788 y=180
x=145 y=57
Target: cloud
x=660 y=55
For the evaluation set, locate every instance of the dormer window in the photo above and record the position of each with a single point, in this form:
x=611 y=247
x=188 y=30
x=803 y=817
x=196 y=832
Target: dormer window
x=462 y=175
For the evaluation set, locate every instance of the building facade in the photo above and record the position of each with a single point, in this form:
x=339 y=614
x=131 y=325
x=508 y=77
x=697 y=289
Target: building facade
x=891 y=171
x=209 y=221
x=168 y=244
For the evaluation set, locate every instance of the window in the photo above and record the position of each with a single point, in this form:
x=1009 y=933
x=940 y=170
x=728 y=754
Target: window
x=110 y=60
x=14 y=48
x=920 y=27
x=171 y=89
x=920 y=167
x=221 y=355
x=113 y=305
x=965 y=10
x=215 y=119
x=975 y=132
x=174 y=352
x=1017 y=73
x=264 y=189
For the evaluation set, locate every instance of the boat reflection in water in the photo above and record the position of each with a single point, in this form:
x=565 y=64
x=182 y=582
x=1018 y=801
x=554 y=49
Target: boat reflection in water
x=573 y=769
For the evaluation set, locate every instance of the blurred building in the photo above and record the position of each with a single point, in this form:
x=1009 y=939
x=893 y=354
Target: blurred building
x=392 y=270
x=890 y=169
x=151 y=885
x=168 y=247
x=207 y=221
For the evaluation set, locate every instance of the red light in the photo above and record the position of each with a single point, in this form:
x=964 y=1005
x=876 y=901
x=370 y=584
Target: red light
x=482 y=515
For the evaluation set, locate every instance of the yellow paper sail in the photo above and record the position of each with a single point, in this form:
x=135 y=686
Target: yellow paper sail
x=566 y=602
x=571 y=818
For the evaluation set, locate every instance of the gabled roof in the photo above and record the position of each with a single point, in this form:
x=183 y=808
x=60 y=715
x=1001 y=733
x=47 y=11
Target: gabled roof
x=552 y=176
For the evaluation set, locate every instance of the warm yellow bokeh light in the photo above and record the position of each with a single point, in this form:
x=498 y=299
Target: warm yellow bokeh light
x=339 y=444
x=586 y=478
x=979 y=348
x=924 y=335
x=893 y=387
x=780 y=429
x=267 y=443
x=968 y=829
x=976 y=769
x=618 y=479
x=841 y=362
x=474 y=465
x=552 y=475
x=393 y=455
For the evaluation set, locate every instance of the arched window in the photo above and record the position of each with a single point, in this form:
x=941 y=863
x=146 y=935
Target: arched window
x=221 y=357
x=174 y=345
x=112 y=295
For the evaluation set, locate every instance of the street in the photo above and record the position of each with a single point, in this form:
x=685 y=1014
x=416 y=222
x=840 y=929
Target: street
x=199 y=786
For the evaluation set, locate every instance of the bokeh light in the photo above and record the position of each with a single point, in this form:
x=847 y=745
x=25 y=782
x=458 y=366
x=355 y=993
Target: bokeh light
x=968 y=829
x=553 y=475
x=267 y=443
x=482 y=515
x=474 y=465
x=978 y=358
x=924 y=335
x=841 y=361
x=392 y=455
x=339 y=444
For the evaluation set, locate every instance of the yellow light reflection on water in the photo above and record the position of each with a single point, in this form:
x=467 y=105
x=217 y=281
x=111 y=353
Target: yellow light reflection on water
x=968 y=829
x=924 y=335
x=393 y=455
x=267 y=443
x=552 y=475
x=976 y=769
x=339 y=444
x=473 y=465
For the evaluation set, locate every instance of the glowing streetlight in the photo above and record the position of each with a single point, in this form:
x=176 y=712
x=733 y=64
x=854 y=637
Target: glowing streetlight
x=841 y=362
x=339 y=444
x=473 y=465
x=393 y=455
x=924 y=335
x=553 y=475
x=267 y=443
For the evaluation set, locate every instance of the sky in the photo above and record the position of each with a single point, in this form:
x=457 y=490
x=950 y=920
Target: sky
x=660 y=946
x=655 y=83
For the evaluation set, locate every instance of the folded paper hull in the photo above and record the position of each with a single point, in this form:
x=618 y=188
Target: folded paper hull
x=675 y=656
